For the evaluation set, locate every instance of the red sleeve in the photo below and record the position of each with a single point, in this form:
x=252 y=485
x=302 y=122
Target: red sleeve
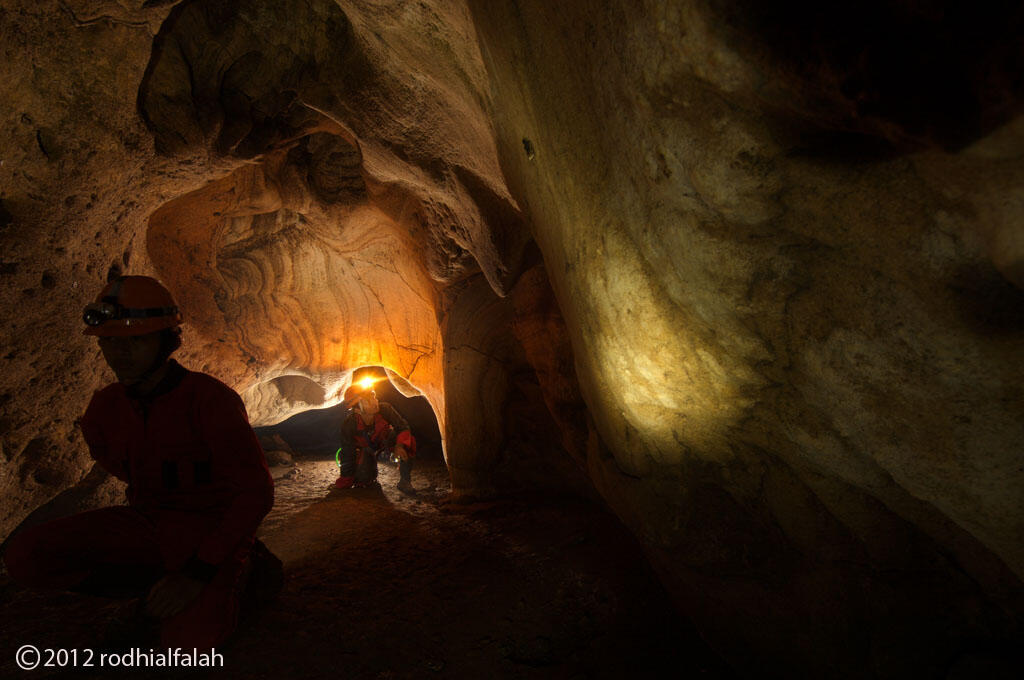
x=404 y=436
x=92 y=429
x=238 y=458
x=406 y=439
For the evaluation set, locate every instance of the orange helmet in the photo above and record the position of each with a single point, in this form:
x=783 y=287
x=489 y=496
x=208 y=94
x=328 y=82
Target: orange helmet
x=131 y=305
x=354 y=393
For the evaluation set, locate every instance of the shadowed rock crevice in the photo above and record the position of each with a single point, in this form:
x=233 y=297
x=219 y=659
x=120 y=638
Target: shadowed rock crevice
x=333 y=167
x=246 y=78
x=917 y=73
x=239 y=72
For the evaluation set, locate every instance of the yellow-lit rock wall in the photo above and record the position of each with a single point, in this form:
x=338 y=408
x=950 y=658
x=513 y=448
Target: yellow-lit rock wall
x=792 y=288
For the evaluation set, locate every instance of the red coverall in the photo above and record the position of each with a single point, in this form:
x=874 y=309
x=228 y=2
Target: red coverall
x=359 y=444
x=198 y=487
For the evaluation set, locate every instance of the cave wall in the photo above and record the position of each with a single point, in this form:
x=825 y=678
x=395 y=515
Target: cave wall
x=787 y=243
x=79 y=181
x=774 y=309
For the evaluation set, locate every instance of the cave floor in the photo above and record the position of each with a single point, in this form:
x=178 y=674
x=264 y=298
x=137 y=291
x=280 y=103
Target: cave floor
x=384 y=585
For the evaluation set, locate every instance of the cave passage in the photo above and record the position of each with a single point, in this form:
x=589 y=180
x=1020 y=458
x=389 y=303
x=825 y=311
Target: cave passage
x=315 y=432
x=302 y=452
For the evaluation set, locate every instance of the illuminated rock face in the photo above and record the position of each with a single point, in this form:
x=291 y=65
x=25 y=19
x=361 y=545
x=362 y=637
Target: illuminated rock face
x=791 y=276
x=778 y=320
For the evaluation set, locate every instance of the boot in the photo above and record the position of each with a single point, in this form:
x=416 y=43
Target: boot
x=264 y=579
x=405 y=477
x=366 y=469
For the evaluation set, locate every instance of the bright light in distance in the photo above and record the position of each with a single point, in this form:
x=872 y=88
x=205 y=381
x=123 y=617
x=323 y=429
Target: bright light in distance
x=367 y=383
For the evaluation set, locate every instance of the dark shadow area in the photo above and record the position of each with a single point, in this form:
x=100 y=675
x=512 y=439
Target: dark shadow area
x=385 y=586
x=917 y=73
x=987 y=301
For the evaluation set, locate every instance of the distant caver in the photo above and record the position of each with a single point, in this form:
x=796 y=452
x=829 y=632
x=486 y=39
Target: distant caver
x=370 y=428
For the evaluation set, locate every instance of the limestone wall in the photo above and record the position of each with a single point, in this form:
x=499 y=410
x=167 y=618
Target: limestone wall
x=790 y=273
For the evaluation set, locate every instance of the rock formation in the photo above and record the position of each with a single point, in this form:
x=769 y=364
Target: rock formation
x=755 y=268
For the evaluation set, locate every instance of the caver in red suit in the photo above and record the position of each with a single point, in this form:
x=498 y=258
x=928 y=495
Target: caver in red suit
x=372 y=426
x=198 y=483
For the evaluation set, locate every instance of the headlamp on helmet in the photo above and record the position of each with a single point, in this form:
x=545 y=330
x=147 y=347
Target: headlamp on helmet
x=98 y=313
x=131 y=305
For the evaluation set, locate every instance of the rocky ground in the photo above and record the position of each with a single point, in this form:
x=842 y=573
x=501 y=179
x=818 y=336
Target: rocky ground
x=384 y=585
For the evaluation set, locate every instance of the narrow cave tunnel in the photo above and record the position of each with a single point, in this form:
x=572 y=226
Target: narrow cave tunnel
x=708 y=316
x=315 y=431
x=304 y=455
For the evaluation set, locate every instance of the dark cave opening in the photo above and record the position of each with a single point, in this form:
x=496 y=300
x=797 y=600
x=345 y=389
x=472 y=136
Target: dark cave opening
x=314 y=433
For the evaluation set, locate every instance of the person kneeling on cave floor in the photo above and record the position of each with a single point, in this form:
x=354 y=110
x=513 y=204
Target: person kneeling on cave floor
x=371 y=426
x=198 y=485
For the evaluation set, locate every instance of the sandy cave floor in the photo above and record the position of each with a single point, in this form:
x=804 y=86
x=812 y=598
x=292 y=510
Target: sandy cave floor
x=385 y=585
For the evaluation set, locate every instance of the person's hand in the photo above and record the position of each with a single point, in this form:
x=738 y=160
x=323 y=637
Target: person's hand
x=401 y=453
x=368 y=405
x=172 y=594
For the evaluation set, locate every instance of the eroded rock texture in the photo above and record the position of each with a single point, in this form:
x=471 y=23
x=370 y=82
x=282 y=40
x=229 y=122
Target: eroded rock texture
x=756 y=268
x=767 y=297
